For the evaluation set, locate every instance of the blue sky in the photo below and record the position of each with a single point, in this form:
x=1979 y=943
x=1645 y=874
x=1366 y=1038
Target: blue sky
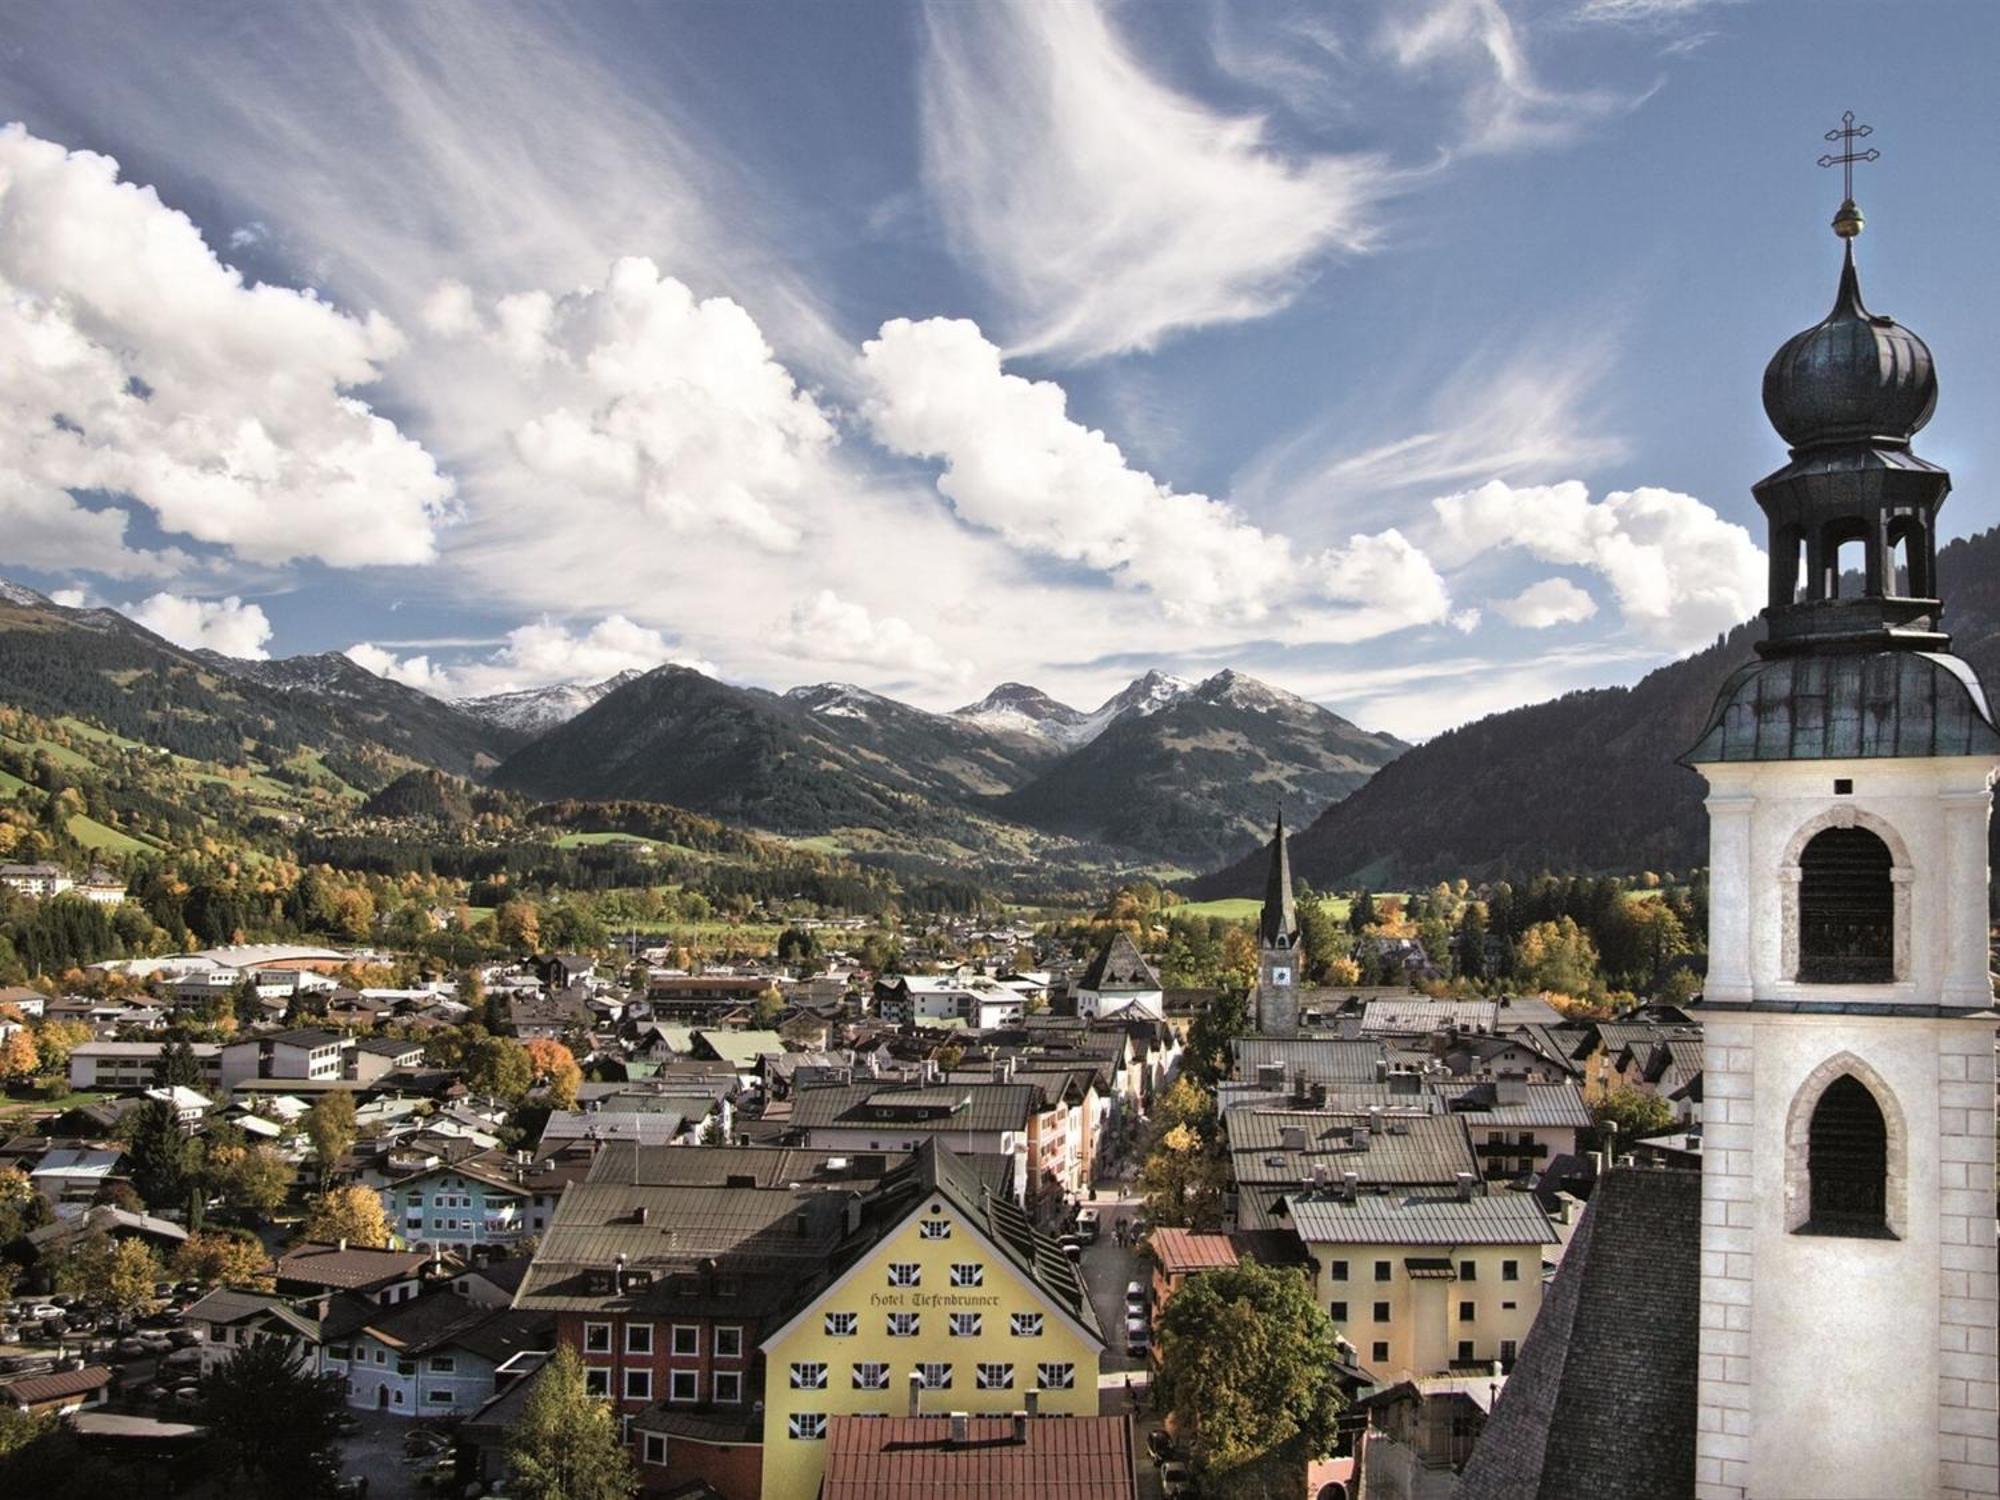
x=1405 y=355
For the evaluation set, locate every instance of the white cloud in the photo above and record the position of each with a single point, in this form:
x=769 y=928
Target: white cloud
x=1681 y=574
x=827 y=627
x=139 y=364
x=1476 y=43
x=634 y=396
x=226 y=625
x=1109 y=209
x=534 y=655
x=1016 y=464
x=70 y=598
x=1552 y=601
x=418 y=672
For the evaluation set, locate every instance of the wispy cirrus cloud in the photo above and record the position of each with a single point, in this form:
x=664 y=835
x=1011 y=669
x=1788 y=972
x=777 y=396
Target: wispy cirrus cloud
x=1478 y=48
x=1110 y=210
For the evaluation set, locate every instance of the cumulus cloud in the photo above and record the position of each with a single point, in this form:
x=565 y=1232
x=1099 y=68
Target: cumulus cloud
x=224 y=408
x=418 y=672
x=534 y=655
x=635 y=395
x=226 y=625
x=1108 y=208
x=1680 y=573
x=827 y=627
x=70 y=598
x=1017 y=465
x=1553 y=601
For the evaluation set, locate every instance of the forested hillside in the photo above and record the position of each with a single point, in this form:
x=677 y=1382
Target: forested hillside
x=1587 y=782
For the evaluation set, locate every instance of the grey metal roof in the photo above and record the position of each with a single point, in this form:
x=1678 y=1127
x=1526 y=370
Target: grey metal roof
x=1317 y=1059
x=961 y=1106
x=1423 y=1217
x=1848 y=706
x=1282 y=1146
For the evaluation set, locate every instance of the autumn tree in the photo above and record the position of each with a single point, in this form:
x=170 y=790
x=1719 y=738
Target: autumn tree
x=1183 y=1181
x=555 y=1065
x=119 y=1274
x=222 y=1260
x=353 y=1213
x=499 y=1066
x=565 y=1445
x=1557 y=956
x=517 y=926
x=253 y=1178
x=20 y=1060
x=55 y=1040
x=330 y=1126
x=1628 y=1113
x=1247 y=1371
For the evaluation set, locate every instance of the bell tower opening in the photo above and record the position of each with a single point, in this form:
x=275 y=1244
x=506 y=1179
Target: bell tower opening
x=1847 y=909
x=1847 y=1161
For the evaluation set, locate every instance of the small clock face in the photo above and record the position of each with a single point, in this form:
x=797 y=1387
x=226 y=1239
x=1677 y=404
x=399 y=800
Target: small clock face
x=1281 y=976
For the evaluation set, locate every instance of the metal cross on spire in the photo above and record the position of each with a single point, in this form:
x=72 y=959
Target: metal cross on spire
x=1847 y=223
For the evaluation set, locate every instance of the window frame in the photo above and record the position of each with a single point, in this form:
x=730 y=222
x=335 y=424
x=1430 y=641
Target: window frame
x=641 y=1376
x=852 y=1321
x=693 y=1351
x=965 y=1325
x=1015 y=1320
x=635 y=1329
x=597 y=1331
x=1064 y=1376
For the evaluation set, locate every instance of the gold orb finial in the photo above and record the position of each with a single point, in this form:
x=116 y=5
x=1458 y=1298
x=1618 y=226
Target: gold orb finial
x=1848 y=222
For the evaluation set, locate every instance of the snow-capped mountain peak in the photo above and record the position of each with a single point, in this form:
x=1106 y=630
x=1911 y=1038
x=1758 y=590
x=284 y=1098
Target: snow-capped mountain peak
x=532 y=710
x=838 y=700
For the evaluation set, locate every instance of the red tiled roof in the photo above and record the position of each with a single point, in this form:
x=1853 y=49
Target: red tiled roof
x=1059 y=1458
x=1181 y=1252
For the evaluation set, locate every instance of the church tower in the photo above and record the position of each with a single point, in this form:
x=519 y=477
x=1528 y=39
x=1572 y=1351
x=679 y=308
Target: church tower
x=1849 y=1311
x=1278 y=954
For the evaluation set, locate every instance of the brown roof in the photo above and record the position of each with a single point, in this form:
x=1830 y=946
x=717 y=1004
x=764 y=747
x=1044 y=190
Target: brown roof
x=329 y=1265
x=33 y=1390
x=1056 y=1458
x=1182 y=1252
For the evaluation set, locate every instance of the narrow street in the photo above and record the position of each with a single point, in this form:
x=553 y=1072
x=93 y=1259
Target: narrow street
x=1124 y=1383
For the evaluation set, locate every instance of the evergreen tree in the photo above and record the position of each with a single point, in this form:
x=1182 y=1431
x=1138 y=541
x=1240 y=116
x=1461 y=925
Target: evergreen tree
x=1472 y=942
x=161 y=1155
x=565 y=1446
x=1361 y=915
x=270 y=1419
x=177 y=1065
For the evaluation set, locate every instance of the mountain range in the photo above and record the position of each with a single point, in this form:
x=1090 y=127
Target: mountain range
x=1586 y=782
x=1165 y=773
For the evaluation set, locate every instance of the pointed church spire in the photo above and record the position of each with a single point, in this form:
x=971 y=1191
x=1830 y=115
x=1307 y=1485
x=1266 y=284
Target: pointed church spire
x=1279 y=925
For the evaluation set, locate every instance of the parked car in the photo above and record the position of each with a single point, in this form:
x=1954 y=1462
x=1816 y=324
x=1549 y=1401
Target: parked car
x=184 y=1338
x=1138 y=1337
x=35 y=1312
x=129 y=1349
x=187 y=1395
x=1135 y=1297
x=1177 y=1479
x=1159 y=1445
x=1089 y=1226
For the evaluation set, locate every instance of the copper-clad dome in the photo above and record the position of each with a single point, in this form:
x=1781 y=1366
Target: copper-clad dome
x=1853 y=377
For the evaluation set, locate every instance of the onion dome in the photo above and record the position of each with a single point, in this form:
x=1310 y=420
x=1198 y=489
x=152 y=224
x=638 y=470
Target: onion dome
x=1854 y=377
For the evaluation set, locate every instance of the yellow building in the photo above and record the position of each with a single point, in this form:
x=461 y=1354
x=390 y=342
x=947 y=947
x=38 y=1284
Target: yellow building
x=960 y=1306
x=1422 y=1280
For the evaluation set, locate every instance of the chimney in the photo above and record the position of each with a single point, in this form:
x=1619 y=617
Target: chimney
x=916 y=1392
x=1464 y=1187
x=341 y=1244
x=1033 y=1400
x=618 y=1275
x=961 y=1429
x=1381 y=1070
x=1376 y=1123
x=1271 y=1077
x=1020 y=1427
x=1350 y=1185
x=639 y=1214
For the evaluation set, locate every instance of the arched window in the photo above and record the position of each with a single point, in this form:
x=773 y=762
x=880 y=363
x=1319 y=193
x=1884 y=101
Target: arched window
x=1847 y=1160
x=1847 y=909
x=1844 y=557
x=1909 y=553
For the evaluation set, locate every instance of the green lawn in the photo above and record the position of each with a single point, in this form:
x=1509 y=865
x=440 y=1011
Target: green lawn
x=101 y=736
x=1229 y=908
x=95 y=835
x=62 y=755
x=580 y=840
x=10 y=783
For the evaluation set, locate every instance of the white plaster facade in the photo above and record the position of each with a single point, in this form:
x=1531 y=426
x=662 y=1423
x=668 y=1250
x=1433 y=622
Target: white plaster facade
x=1836 y=1367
